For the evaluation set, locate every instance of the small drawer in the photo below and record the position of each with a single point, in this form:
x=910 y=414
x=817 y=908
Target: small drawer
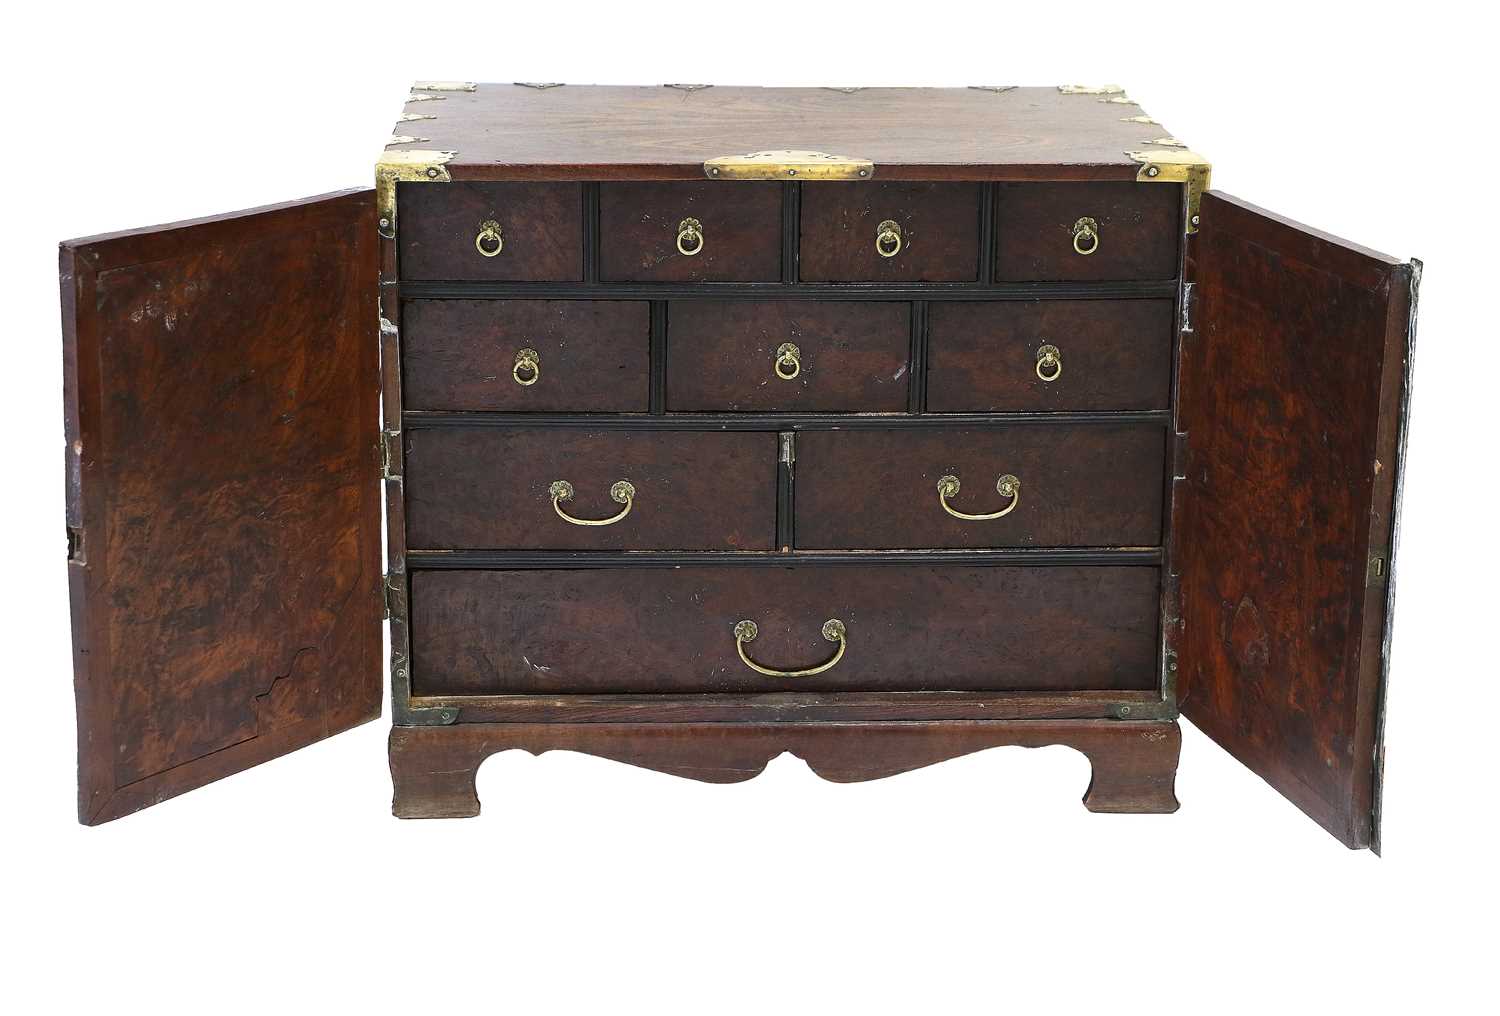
x=526 y=356
x=890 y=232
x=1086 y=232
x=491 y=232
x=681 y=630
x=1079 y=485
x=690 y=232
x=787 y=355
x=1049 y=355
x=517 y=488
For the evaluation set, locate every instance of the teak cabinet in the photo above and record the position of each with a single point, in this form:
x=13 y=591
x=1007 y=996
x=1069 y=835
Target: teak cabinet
x=875 y=425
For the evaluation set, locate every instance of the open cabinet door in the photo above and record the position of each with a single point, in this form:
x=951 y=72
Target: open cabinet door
x=1293 y=395
x=221 y=389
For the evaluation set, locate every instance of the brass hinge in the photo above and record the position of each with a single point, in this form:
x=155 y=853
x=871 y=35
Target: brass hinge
x=411 y=165
x=1176 y=165
x=788 y=164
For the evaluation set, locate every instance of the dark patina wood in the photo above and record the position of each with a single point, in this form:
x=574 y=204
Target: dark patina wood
x=908 y=629
x=639 y=224
x=1081 y=486
x=1112 y=355
x=722 y=356
x=593 y=355
x=222 y=497
x=939 y=226
x=488 y=487
x=541 y=227
x=1138 y=231
x=1293 y=388
x=1134 y=764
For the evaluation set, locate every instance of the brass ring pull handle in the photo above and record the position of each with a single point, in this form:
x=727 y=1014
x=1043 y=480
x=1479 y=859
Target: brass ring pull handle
x=623 y=492
x=1085 y=236
x=490 y=241
x=888 y=239
x=1007 y=485
x=528 y=367
x=1048 y=363
x=788 y=361
x=689 y=237
x=833 y=631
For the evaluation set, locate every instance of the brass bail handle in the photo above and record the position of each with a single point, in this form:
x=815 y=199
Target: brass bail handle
x=528 y=367
x=689 y=237
x=888 y=238
x=622 y=492
x=1006 y=486
x=788 y=361
x=490 y=240
x=1048 y=363
x=1085 y=236
x=833 y=631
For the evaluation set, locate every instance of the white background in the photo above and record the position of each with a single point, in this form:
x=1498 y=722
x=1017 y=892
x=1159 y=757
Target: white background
x=588 y=886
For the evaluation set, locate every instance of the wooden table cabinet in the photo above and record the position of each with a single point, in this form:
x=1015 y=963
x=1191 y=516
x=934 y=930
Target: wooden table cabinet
x=875 y=425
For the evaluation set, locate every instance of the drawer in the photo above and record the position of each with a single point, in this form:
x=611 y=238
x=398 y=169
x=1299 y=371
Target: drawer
x=1135 y=232
x=1080 y=485
x=690 y=232
x=491 y=488
x=906 y=628
x=890 y=232
x=527 y=356
x=1049 y=355
x=492 y=232
x=791 y=355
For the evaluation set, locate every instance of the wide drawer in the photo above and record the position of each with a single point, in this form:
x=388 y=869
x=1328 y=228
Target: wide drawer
x=527 y=356
x=787 y=355
x=1074 y=485
x=1049 y=355
x=489 y=487
x=904 y=628
x=492 y=232
x=1086 y=232
x=690 y=232
x=890 y=232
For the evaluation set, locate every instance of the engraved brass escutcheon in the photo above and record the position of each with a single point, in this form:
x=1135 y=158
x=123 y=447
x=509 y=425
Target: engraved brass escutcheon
x=889 y=238
x=833 y=631
x=1007 y=486
x=689 y=237
x=1085 y=236
x=528 y=367
x=490 y=240
x=788 y=361
x=1048 y=363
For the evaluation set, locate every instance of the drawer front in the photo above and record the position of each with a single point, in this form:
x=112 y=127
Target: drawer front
x=527 y=356
x=1135 y=231
x=1050 y=355
x=788 y=355
x=1093 y=485
x=535 y=232
x=490 y=488
x=690 y=232
x=906 y=628
x=890 y=232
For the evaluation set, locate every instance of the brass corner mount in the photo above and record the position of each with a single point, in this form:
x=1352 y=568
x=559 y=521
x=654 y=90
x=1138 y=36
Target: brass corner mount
x=1176 y=165
x=405 y=166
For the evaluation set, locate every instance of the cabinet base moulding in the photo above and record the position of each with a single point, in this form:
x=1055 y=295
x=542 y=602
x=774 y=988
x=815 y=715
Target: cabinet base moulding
x=1134 y=762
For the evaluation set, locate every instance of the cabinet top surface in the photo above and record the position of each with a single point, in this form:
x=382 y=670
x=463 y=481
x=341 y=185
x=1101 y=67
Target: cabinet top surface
x=500 y=131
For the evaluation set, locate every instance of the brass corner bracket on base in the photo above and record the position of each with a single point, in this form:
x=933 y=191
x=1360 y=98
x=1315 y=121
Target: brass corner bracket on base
x=1176 y=165
x=408 y=166
x=788 y=165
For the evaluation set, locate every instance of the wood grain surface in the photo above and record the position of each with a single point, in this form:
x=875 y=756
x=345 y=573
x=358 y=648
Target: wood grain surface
x=639 y=223
x=541 y=226
x=939 y=232
x=1139 y=230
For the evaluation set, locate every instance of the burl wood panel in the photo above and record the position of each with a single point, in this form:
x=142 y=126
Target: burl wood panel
x=1096 y=485
x=541 y=225
x=1134 y=763
x=639 y=223
x=920 y=628
x=1140 y=226
x=653 y=132
x=594 y=355
x=939 y=232
x=1292 y=391
x=721 y=356
x=487 y=487
x=1114 y=355
x=222 y=494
